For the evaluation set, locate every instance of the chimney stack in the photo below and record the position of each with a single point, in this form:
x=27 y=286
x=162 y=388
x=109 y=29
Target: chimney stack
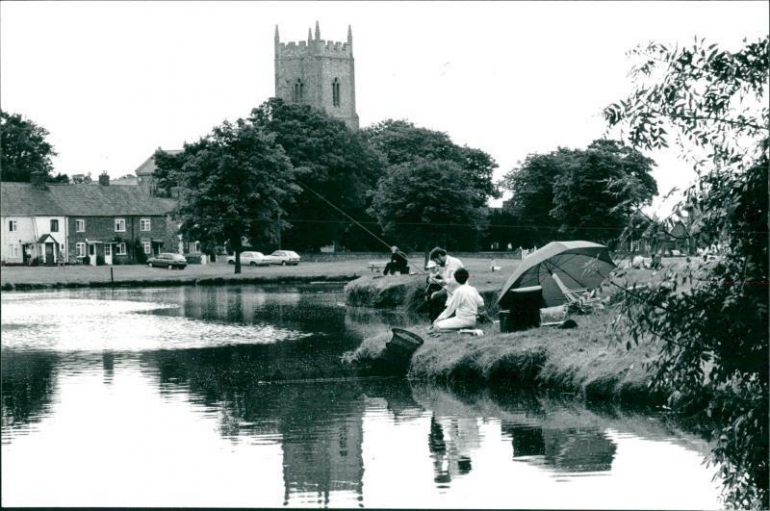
x=37 y=178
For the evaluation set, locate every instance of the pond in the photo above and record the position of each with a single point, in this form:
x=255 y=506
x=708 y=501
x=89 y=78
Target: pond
x=235 y=396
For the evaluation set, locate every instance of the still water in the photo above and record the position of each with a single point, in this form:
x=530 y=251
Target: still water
x=235 y=396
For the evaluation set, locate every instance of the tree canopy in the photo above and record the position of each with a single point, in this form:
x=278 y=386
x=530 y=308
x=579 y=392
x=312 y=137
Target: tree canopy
x=587 y=193
x=236 y=183
x=334 y=168
x=24 y=149
x=414 y=158
x=712 y=318
x=422 y=203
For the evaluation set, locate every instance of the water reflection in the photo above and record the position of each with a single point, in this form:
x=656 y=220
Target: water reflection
x=213 y=397
x=28 y=382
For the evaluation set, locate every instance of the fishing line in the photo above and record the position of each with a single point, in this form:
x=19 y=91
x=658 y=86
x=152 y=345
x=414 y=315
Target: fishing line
x=306 y=187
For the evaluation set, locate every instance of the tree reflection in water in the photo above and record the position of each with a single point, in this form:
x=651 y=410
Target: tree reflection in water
x=28 y=382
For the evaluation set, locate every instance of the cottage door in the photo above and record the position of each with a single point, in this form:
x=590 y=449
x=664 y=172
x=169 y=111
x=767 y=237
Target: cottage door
x=48 y=254
x=108 y=253
x=92 y=254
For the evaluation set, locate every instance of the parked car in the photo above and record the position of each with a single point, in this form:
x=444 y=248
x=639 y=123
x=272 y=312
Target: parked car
x=250 y=258
x=167 y=260
x=283 y=257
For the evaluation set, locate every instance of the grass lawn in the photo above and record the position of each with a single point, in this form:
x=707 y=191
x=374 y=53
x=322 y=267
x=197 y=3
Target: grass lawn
x=340 y=270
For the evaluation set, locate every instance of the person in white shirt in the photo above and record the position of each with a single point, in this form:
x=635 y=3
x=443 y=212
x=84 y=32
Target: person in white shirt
x=463 y=305
x=447 y=265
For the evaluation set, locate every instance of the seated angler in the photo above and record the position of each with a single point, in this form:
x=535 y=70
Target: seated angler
x=398 y=263
x=443 y=279
x=462 y=308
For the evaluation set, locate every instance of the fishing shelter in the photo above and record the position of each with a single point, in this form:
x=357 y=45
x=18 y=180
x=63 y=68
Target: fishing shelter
x=563 y=269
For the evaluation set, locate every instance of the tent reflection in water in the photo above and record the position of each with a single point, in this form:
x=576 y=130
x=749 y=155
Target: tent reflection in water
x=562 y=270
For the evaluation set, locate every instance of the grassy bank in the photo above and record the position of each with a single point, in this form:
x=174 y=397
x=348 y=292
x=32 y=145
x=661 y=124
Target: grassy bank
x=585 y=361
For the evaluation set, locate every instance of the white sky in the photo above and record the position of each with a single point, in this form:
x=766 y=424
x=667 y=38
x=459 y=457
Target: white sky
x=112 y=81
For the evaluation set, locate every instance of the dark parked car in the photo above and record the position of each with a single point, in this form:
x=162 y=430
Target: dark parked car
x=167 y=260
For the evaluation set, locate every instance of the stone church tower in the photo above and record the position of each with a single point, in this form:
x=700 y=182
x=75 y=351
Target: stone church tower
x=318 y=73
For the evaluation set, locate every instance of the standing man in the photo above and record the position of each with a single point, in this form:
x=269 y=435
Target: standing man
x=448 y=265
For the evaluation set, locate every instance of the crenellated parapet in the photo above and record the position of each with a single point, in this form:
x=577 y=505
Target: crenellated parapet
x=315 y=48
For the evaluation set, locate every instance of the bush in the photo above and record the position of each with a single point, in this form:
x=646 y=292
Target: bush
x=87 y=260
x=100 y=260
x=141 y=257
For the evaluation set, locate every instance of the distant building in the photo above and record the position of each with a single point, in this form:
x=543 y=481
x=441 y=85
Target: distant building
x=145 y=171
x=318 y=73
x=60 y=223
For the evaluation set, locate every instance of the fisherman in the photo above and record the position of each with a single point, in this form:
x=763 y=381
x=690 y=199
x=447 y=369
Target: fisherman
x=448 y=265
x=398 y=263
x=463 y=305
x=434 y=308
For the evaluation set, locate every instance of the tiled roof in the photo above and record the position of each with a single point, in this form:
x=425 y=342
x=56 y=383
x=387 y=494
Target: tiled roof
x=23 y=199
x=148 y=167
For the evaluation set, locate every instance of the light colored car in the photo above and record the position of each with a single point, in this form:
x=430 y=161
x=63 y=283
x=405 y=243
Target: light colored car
x=250 y=258
x=283 y=257
x=167 y=260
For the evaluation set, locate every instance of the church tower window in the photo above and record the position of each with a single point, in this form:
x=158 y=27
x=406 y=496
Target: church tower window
x=298 y=94
x=336 y=92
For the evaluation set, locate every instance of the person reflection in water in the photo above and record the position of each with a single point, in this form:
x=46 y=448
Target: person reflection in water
x=446 y=459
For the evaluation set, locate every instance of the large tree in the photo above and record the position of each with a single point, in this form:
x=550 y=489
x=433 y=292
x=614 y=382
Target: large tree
x=532 y=201
x=424 y=202
x=236 y=183
x=599 y=190
x=714 y=330
x=334 y=168
x=24 y=149
x=587 y=193
x=411 y=155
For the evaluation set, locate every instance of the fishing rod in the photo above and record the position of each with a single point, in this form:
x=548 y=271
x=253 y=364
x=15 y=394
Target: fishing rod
x=306 y=187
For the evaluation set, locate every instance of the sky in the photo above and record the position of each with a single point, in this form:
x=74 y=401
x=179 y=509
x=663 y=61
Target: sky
x=113 y=81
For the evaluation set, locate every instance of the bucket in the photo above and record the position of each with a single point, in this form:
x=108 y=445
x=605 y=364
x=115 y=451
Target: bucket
x=525 y=304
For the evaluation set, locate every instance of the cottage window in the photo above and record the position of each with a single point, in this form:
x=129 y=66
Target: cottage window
x=147 y=247
x=120 y=249
x=80 y=249
x=336 y=92
x=80 y=225
x=144 y=224
x=15 y=250
x=120 y=225
x=54 y=225
x=13 y=225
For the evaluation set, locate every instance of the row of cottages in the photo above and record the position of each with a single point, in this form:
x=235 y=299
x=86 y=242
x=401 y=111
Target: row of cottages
x=46 y=223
